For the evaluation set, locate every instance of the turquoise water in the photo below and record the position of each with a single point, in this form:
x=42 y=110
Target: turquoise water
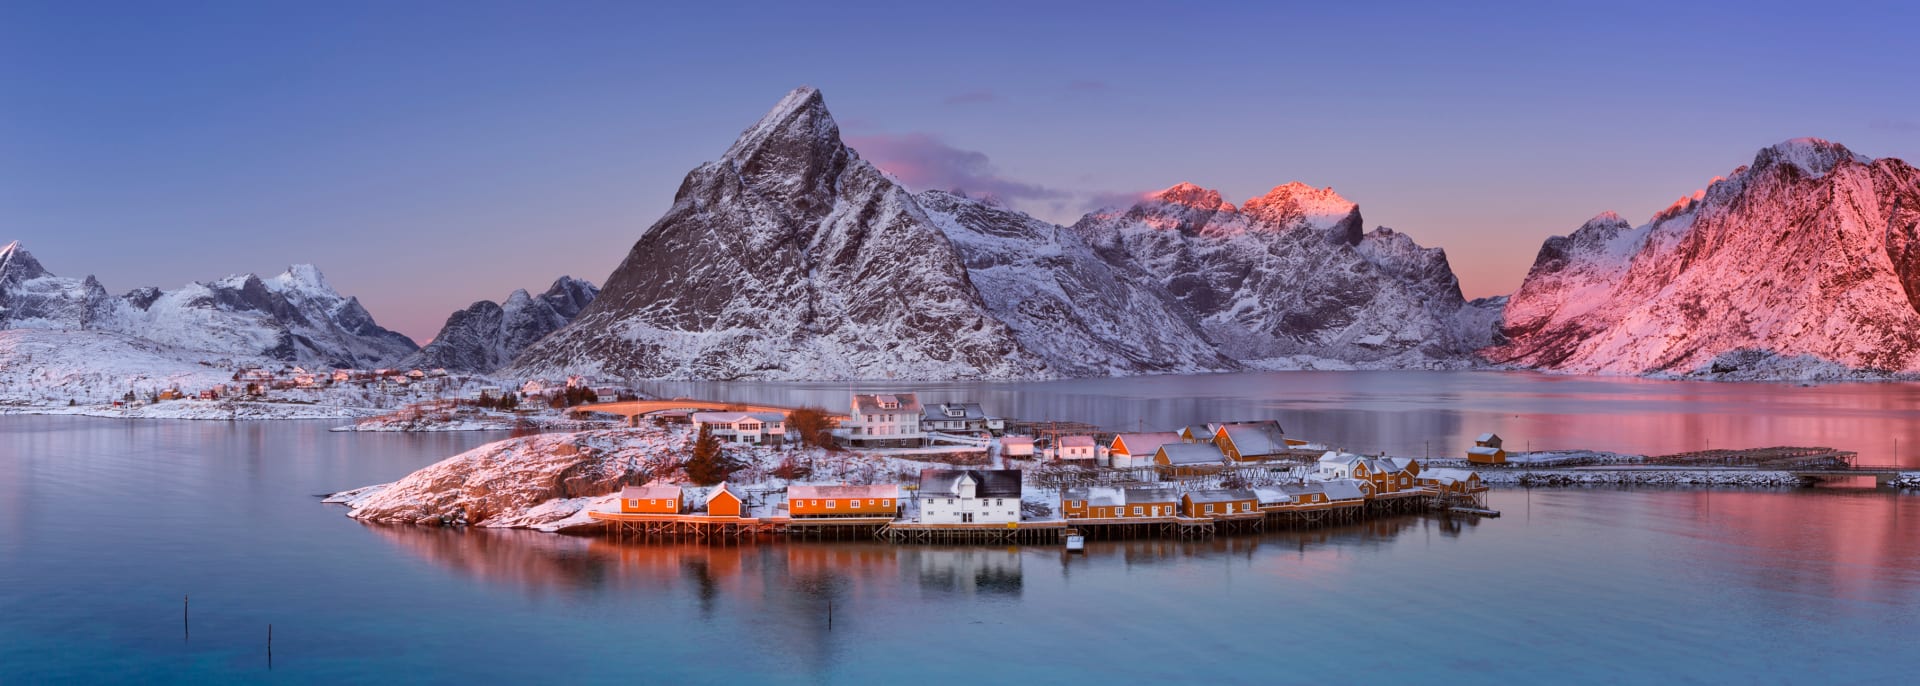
x=105 y=524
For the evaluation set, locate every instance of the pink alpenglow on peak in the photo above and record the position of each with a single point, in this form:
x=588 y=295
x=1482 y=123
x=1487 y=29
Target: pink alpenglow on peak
x=1189 y=195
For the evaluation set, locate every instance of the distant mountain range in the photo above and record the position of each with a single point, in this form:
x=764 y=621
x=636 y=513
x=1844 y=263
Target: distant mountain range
x=791 y=257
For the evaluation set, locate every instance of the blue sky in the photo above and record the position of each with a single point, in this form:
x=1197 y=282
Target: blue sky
x=426 y=154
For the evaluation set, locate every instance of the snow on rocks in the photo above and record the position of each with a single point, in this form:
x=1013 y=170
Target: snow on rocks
x=1906 y=480
x=1804 y=265
x=516 y=482
x=1637 y=477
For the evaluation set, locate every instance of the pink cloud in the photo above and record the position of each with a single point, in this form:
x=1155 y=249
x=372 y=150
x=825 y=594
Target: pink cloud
x=923 y=162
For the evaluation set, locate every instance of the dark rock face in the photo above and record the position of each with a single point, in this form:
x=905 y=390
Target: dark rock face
x=1085 y=315
x=1804 y=261
x=486 y=335
x=789 y=258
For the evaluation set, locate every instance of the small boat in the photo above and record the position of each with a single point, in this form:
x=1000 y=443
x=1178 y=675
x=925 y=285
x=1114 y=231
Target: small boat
x=1076 y=543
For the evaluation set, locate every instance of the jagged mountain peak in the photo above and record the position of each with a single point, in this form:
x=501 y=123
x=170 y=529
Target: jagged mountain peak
x=16 y=264
x=1295 y=205
x=1813 y=156
x=791 y=156
x=1189 y=195
x=1809 y=253
x=304 y=277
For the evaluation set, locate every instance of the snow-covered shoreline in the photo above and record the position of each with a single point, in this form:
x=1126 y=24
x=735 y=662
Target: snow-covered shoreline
x=200 y=410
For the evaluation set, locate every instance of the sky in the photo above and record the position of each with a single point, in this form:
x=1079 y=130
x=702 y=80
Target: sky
x=429 y=154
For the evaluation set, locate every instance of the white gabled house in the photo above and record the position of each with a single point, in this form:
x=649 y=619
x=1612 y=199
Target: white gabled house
x=969 y=496
x=757 y=428
x=883 y=420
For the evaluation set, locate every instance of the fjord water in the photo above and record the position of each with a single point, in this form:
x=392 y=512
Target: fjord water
x=105 y=524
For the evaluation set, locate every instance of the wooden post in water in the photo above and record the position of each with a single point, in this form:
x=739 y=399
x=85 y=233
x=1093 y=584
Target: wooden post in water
x=269 y=647
x=186 y=626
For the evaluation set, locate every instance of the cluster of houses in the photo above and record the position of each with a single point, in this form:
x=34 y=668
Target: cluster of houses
x=591 y=390
x=259 y=382
x=900 y=420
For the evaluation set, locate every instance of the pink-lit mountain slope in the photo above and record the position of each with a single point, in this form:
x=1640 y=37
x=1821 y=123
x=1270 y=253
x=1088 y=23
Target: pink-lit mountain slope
x=1805 y=263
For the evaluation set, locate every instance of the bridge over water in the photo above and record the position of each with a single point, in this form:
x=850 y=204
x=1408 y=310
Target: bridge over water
x=632 y=410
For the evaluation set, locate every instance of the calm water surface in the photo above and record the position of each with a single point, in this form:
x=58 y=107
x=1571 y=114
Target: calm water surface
x=105 y=524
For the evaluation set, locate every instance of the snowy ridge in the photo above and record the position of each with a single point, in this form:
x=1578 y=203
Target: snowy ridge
x=486 y=335
x=294 y=317
x=1290 y=277
x=1805 y=264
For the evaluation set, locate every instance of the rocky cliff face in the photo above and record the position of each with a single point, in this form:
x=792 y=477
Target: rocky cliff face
x=1803 y=262
x=1289 y=274
x=789 y=258
x=1085 y=315
x=487 y=335
x=295 y=317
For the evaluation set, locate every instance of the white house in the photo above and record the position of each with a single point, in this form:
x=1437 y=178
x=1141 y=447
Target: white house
x=969 y=496
x=744 y=427
x=1074 y=448
x=883 y=420
x=1016 y=446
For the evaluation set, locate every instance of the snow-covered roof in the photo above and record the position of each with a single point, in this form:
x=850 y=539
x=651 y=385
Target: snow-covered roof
x=870 y=404
x=717 y=490
x=988 y=483
x=1008 y=441
x=1191 y=453
x=1152 y=494
x=1343 y=489
x=1146 y=443
x=1483 y=450
x=1338 y=457
x=1487 y=437
x=1221 y=495
x=953 y=412
x=1446 y=474
x=1272 y=495
x=1077 y=442
x=1262 y=438
x=1099 y=496
x=835 y=491
x=736 y=417
x=650 y=492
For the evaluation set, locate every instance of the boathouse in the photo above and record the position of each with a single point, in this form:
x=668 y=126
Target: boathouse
x=969 y=496
x=1251 y=441
x=1111 y=502
x=651 y=500
x=1451 y=481
x=1218 y=502
x=1189 y=459
x=877 y=500
x=1481 y=454
x=722 y=502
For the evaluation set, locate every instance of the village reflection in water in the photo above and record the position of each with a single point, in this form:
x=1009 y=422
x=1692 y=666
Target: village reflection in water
x=541 y=564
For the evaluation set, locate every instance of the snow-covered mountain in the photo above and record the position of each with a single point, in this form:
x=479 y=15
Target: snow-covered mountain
x=793 y=258
x=788 y=258
x=1291 y=274
x=1086 y=316
x=1806 y=262
x=294 y=317
x=487 y=335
